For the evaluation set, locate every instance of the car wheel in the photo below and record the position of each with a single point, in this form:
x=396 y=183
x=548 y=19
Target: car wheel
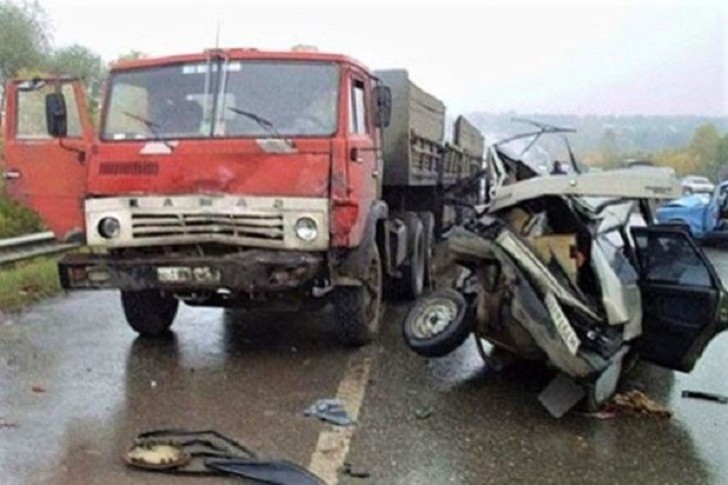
x=149 y=312
x=437 y=324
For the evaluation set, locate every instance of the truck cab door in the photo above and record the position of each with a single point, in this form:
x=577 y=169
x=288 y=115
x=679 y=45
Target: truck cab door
x=682 y=297
x=42 y=173
x=364 y=163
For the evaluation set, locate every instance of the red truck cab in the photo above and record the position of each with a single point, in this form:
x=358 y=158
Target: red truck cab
x=224 y=178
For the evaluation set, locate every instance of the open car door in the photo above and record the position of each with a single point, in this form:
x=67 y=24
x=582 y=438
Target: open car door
x=43 y=173
x=682 y=297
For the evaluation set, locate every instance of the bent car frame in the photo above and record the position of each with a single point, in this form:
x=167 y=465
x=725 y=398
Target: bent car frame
x=571 y=271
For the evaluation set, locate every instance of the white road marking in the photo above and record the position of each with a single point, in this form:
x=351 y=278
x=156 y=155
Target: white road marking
x=334 y=441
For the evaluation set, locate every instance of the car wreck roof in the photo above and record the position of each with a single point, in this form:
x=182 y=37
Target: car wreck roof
x=622 y=184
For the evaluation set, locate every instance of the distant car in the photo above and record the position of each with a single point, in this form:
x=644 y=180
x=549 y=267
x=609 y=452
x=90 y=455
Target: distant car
x=633 y=162
x=706 y=215
x=696 y=184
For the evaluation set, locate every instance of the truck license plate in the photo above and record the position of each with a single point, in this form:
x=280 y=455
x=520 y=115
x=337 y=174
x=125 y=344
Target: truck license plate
x=174 y=274
x=184 y=274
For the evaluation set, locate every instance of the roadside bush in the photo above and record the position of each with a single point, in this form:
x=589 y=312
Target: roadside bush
x=16 y=220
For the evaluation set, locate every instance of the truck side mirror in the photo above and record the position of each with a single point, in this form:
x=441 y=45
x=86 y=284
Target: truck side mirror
x=56 y=115
x=382 y=105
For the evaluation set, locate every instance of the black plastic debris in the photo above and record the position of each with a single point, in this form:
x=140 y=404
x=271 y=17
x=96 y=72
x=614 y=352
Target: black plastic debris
x=706 y=396
x=274 y=471
x=354 y=471
x=210 y=453
x=331 y=411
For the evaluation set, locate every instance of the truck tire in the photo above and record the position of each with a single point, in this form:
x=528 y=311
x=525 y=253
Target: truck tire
x=357 y=308
x=437 y=324
x=149 y=312
x=412 y=281
x=428 y=226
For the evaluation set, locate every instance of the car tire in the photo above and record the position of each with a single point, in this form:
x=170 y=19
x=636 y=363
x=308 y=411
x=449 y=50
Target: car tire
x=357 y=308
x=149 y=312
x=446 y=311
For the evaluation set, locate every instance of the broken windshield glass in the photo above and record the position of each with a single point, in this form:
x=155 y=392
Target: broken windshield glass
x=191 y=100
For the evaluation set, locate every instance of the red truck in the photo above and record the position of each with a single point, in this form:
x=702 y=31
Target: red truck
x=240 y=178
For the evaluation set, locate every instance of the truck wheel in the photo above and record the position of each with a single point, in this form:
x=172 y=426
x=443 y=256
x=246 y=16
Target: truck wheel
x=437 y=324
x=356 y=308
x=428 y=226
x=149 y=312
x=413 y=273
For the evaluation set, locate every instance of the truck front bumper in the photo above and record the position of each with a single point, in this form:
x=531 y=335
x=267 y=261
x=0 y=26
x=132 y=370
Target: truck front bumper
x=253 y=271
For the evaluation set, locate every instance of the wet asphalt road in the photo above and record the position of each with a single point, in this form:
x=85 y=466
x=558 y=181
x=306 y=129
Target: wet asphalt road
x=251 y=376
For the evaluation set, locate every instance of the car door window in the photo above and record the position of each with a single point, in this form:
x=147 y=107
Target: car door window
x=668 y=257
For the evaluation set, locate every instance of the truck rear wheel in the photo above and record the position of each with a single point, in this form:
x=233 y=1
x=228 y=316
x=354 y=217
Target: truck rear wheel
x=428 y=226
x=149 y=312
x=357 y=308
x=413 y=273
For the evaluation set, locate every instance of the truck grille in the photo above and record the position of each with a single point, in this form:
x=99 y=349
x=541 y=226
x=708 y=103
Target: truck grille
x=268 y=227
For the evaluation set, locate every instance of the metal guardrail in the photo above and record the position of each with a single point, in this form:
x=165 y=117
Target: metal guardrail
x=16 y=249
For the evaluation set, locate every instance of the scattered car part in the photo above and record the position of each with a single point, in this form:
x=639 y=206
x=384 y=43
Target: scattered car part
x=562 y=394
x=437 y=323
x=331 y=411
x=281 y=472
x=156 y=456
x=207 y=452
x=707 y=396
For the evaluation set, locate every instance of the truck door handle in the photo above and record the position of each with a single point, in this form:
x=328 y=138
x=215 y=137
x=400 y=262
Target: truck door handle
x=11 y=174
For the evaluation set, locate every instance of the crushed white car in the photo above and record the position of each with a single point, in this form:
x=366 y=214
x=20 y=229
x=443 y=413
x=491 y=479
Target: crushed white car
x=570 y=270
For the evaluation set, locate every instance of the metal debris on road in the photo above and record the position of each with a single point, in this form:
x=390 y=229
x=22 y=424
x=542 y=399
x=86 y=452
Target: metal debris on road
x=331 y=411
x=38 y=389
x=706 y=396
x=423 y=413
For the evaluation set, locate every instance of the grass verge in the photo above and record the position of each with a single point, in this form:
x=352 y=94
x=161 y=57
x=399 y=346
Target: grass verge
x=27 y=282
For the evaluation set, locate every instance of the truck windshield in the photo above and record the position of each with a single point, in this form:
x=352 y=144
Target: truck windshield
x=223 y=99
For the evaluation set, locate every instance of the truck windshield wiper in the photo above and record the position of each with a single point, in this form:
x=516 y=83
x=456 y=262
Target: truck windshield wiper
x=262 y=122
x=152 y=126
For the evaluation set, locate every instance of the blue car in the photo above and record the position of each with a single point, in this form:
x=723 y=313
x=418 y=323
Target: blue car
x=705 y=214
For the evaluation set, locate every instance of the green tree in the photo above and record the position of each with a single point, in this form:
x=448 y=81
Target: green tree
x=721 y=158
x=82 y=62
x=132 y=55
x=704 y=147
x=609 y=149
x=24 y=37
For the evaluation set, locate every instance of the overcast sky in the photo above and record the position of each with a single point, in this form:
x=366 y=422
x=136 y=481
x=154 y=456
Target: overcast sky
x=603 y=57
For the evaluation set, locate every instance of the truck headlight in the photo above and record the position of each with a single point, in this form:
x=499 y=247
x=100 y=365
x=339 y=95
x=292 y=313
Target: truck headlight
x=306 y=229
x=109 y=227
